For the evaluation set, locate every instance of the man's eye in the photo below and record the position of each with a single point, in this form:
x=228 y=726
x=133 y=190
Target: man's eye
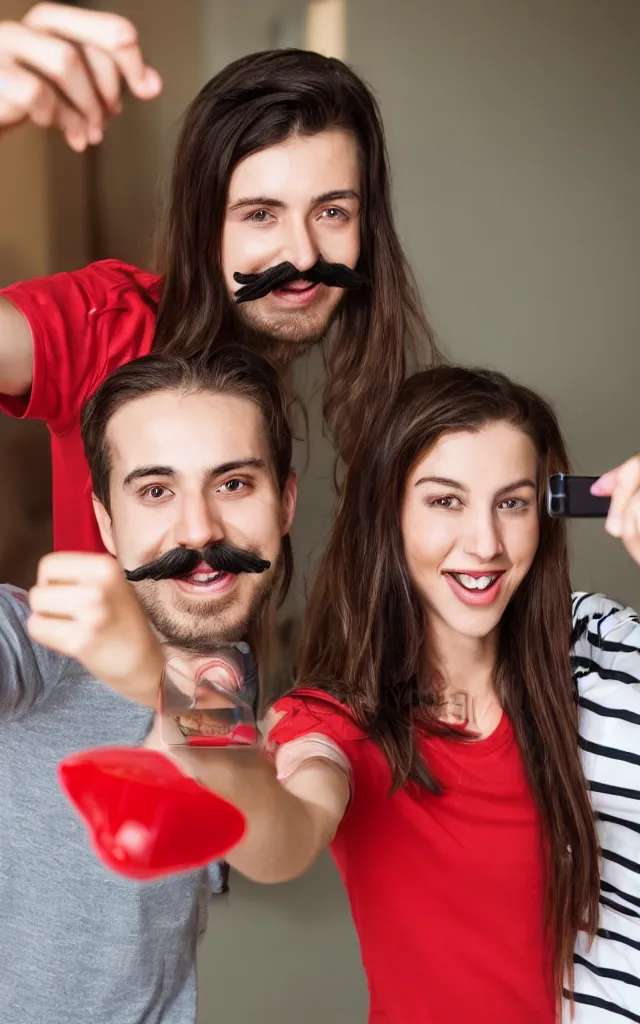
x=155 y=492
x=260 y=216
x=333 y=213
x=233 y=486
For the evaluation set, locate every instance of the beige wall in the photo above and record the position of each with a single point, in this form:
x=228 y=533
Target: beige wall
x=137 y=150
x=516 y=156
x=42 y=197
x=43 y=228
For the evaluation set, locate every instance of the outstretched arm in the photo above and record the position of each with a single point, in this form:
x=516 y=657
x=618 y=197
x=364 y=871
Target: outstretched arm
x=16 y=351
x=289 y=822
x=82 y=607
x=62 y=67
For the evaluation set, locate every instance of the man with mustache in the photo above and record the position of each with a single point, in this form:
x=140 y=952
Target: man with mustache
x=194 y=497
x=279 y=230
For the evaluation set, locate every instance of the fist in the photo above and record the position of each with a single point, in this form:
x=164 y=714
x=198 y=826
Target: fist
x=623 y=486
x=83 y=607
x=64 y=66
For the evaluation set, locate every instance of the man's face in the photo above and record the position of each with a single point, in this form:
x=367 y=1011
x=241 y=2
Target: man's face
x=292 y=203
x=187 y=471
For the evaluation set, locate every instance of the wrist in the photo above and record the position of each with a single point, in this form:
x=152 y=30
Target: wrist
x=142 y=683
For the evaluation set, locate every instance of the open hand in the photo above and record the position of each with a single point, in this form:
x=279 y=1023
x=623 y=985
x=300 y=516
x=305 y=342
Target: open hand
x=64 y=66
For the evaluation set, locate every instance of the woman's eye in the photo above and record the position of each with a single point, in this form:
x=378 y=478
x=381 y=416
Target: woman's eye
x=513 y=504
x=448 y=501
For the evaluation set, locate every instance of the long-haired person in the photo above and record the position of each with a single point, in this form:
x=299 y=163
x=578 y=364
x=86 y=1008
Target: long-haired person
x=468 y=850
x=281 y=165
x=432 y=741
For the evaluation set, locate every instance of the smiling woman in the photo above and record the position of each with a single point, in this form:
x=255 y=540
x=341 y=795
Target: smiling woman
x=470 y=541
x=436 y=675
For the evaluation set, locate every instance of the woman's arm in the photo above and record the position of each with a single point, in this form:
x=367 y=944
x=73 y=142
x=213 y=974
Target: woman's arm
x=290 y=822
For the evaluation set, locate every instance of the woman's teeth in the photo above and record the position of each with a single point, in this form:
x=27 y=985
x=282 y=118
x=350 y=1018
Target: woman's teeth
x=474 y=582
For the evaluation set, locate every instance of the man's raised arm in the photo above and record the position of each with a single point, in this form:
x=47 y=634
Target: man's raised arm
x=62 y=67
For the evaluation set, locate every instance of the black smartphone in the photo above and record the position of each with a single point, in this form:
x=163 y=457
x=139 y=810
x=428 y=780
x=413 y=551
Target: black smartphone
x=571 y=496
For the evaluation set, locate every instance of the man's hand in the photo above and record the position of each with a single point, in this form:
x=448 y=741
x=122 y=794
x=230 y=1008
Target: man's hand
x=623 y=486
x=83 y=607
x=64 y=66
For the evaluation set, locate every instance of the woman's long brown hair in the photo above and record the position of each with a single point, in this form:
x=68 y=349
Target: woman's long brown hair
x=256 y=102
x=365 y=638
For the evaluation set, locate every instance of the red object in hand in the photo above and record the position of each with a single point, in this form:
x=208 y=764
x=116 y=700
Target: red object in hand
x=145 y=817
x=241 y=735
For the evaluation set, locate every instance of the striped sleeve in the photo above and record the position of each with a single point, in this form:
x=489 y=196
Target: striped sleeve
x=606 y=666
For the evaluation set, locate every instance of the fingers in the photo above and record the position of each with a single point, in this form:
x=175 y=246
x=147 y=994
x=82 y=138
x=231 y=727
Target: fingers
x=73 y=127
x=67 y=601
x=83 y=26
x=144 y=82
x=625 y=484
x=59 y=62
x=78 y=567
x=26 y=96
x=630 y=528
x=64 y=66
x=106 y=78
x=23 y=94
x=113 y=35
x=623 y=520
x=604 y=485
x=59 y=634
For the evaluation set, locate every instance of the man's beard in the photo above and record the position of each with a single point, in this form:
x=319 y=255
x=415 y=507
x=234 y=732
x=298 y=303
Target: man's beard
x=202 y=626
x=285 y=336
x=288 y=334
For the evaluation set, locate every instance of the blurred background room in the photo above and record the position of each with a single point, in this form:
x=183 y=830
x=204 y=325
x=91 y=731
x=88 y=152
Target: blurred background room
x=515 y=151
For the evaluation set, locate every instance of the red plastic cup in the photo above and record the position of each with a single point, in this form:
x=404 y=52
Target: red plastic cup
x=146 y=819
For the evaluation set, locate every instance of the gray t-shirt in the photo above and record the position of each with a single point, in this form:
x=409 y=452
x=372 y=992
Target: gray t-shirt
x=78 y=944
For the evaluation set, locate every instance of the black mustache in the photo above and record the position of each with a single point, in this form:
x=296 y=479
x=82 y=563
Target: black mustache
x=179 y=562
x=336 y=275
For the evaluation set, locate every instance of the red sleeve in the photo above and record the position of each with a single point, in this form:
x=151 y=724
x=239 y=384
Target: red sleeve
x=311 y=711
x=72 y=341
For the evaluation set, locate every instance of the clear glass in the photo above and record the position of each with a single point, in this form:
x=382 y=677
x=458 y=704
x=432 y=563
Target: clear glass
x=210 y=700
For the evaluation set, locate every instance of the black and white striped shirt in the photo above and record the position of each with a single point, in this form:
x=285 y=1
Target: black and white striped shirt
x=606 y=662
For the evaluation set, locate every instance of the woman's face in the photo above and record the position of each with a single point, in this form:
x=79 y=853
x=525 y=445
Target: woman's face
x=470 y=527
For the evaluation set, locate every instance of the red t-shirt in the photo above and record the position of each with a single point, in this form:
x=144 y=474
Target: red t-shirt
x=446 y=892
x=84 y=325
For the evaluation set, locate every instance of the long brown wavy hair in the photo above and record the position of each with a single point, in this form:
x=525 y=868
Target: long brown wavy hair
x=365 y=637
x=257 y=102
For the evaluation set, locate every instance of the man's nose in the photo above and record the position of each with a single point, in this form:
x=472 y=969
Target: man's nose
x=300 y=247
x=198 y=524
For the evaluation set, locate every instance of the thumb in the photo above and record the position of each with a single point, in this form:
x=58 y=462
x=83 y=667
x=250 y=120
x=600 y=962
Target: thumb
x=604 y=485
